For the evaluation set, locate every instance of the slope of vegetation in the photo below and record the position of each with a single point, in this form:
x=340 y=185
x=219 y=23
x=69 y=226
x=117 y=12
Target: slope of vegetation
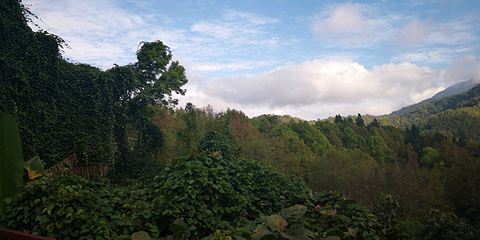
x=269 y=177
x=468 y=101
x=452 y=90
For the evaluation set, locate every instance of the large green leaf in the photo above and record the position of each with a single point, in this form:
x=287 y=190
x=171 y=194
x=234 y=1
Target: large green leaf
x=141 y=235
x=34 y=168
x=11 y=158
x=294 y=212
x=277 y=223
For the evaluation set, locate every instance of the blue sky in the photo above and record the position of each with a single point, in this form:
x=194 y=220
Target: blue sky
x=309 y=59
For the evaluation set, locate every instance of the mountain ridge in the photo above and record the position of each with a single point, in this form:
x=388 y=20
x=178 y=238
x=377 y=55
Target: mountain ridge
x=452 y=90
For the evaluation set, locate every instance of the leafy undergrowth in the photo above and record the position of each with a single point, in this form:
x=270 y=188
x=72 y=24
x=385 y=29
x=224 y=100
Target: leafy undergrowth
x=211 y=193
x=202 y=196
x=75 y=208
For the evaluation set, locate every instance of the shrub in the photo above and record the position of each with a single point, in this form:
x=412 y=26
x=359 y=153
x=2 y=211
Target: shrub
x=211 y=193
x=440 y=225
x=75 y=208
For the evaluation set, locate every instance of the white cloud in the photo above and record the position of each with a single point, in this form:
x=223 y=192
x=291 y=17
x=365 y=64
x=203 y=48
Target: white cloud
x=234 y=32
x=343 y=19
x=250 y=18
x=454 y=31
x=462 y=69
x=352 y=25
x=322 y=88
x=231 y=65
x=476 y=74
x=233 y=24
x=414 y=32
x=374 y=27
x=429 y=33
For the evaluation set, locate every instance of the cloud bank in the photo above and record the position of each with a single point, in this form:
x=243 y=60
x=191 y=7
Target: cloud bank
x=322 y=88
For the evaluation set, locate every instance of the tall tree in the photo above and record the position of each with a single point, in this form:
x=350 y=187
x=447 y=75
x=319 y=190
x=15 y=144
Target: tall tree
x=338 y=119
x=138 y=87
x=359 y=121
x=375 y=123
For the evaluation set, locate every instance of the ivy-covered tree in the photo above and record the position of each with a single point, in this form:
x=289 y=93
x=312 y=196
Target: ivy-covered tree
x=62 y=108
x=151 y=80
x=138 y=88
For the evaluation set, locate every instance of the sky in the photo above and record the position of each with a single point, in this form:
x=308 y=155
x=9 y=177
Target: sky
x=308 y=58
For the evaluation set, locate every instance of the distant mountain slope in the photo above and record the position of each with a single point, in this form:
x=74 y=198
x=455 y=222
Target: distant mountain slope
x=461 y=123
x=455 y=89
x=469 y=98
x=456 y=115
x=452 y=90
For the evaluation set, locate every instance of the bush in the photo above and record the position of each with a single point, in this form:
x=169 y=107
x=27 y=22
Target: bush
x=75 y=208
x=335 y=215
x=444 y=226
x=210 y=193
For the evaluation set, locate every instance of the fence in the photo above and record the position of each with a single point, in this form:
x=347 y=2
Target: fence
x=14 y=235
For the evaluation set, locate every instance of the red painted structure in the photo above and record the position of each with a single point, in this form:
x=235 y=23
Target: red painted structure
x=14 y=235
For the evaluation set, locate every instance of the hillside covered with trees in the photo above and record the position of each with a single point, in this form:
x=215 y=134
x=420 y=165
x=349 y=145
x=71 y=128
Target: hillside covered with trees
x=188 y=172
x=454 y=116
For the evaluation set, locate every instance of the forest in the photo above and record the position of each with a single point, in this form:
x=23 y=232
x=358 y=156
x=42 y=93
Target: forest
x=150 y=169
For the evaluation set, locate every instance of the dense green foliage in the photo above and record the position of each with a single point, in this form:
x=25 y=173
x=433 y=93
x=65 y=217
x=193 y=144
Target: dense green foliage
x=28 y=64
x=213 y=193
x=412 y=165
x=330 y=215
x=74 y=208
x=445 y=226
x=215 y=142
x=196 y=197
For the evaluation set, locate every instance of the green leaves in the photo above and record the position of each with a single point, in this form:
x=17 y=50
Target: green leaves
x=277 y=223
x=141 y=235
x=11 y=158
x=72 y=207
x=277 y=227
x=34 y=168
x=443 y=226
x=215 y=142
x=157 y=75
x=329 y=219
x=179 y=228
x=199 y=196
x=220 y=194
x=294 y=212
